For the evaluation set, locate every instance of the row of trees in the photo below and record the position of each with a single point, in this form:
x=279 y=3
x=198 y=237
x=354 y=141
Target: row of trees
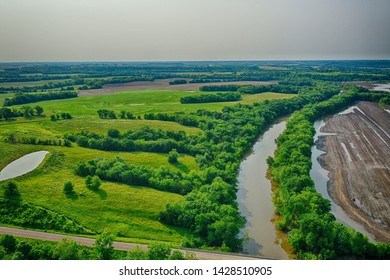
x=32 y=140
x=313 y=231
x=59 y=116
x=178 y=82
x=68 y=249
x=117 y=170
x=213 y=97
x=22 y=98
x=253 y=89
x=110 y=114
x=25 y=111
x=144 y=139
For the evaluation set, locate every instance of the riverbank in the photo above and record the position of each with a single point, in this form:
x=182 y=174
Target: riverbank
x=358 y=159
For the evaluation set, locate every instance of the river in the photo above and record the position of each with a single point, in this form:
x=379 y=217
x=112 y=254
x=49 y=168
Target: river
x=23 y=165
x=255 y=198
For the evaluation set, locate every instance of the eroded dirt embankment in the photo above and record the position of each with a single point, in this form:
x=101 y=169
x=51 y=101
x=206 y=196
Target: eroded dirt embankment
x=358 y=158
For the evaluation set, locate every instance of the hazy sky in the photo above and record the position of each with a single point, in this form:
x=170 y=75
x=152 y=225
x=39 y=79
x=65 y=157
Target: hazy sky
x=132 y=30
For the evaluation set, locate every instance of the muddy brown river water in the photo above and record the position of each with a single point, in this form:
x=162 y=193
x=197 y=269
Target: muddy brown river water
x=255 y=198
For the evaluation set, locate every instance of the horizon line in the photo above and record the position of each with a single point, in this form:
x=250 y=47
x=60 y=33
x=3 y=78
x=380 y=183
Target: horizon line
x=216 y=60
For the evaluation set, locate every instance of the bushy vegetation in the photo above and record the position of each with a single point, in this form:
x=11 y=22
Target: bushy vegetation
x=118 y=171
x=313 y=231
x=214 y=97
x=178 y=82
x=12 y=248
x=21 y=98
x=253 y=89
x=25 y=111
x=145 y=139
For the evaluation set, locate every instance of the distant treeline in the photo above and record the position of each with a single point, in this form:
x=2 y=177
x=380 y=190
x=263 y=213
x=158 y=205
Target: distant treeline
x=312 y=229
x=212 y=97
x=178 y=82
x=253 y=89
x=179 y=117
x=21 y=98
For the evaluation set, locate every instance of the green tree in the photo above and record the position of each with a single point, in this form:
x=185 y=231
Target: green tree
x=68 y=188
x=158 y=251
x=103 y=246
x=67 y=249
x=137 y=253
x=114 y=133
x=39 y=110
x=96 y=182
x=88 y=181
x=11 y=190
x=172 y=156
x=176 y=255
x=27 y=111
x=8 y=242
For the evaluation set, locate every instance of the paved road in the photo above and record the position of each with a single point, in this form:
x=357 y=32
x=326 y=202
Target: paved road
x=201 y=255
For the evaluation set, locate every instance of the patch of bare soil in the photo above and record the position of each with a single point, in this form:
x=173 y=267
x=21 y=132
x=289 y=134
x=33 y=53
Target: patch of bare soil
x=161 y=84
x=358 y=158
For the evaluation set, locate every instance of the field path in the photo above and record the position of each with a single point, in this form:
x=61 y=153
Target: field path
x=201 y=255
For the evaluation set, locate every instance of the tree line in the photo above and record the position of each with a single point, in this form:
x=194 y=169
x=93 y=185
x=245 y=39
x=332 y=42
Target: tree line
x=144 y=139
x=21 y=98
x=25 y=111
x=12 y=248
x=110 y=114
x=117 y=170
x=215 y=97
x=253 y=89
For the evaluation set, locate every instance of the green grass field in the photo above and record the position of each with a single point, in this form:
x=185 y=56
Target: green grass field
x=130 y=212
x=145 y=101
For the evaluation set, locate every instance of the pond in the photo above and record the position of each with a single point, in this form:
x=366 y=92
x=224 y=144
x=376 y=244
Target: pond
x=23 y=165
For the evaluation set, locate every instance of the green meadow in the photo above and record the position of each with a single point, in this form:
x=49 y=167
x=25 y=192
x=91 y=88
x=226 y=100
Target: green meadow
x=129 y=212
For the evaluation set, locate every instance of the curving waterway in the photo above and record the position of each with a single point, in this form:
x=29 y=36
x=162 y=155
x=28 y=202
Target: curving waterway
x=22 y=165
x=255 y=198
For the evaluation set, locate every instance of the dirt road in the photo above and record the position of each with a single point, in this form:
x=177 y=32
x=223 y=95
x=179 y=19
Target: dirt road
x=161 y=84
x=200 y=255
x=358 y=158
